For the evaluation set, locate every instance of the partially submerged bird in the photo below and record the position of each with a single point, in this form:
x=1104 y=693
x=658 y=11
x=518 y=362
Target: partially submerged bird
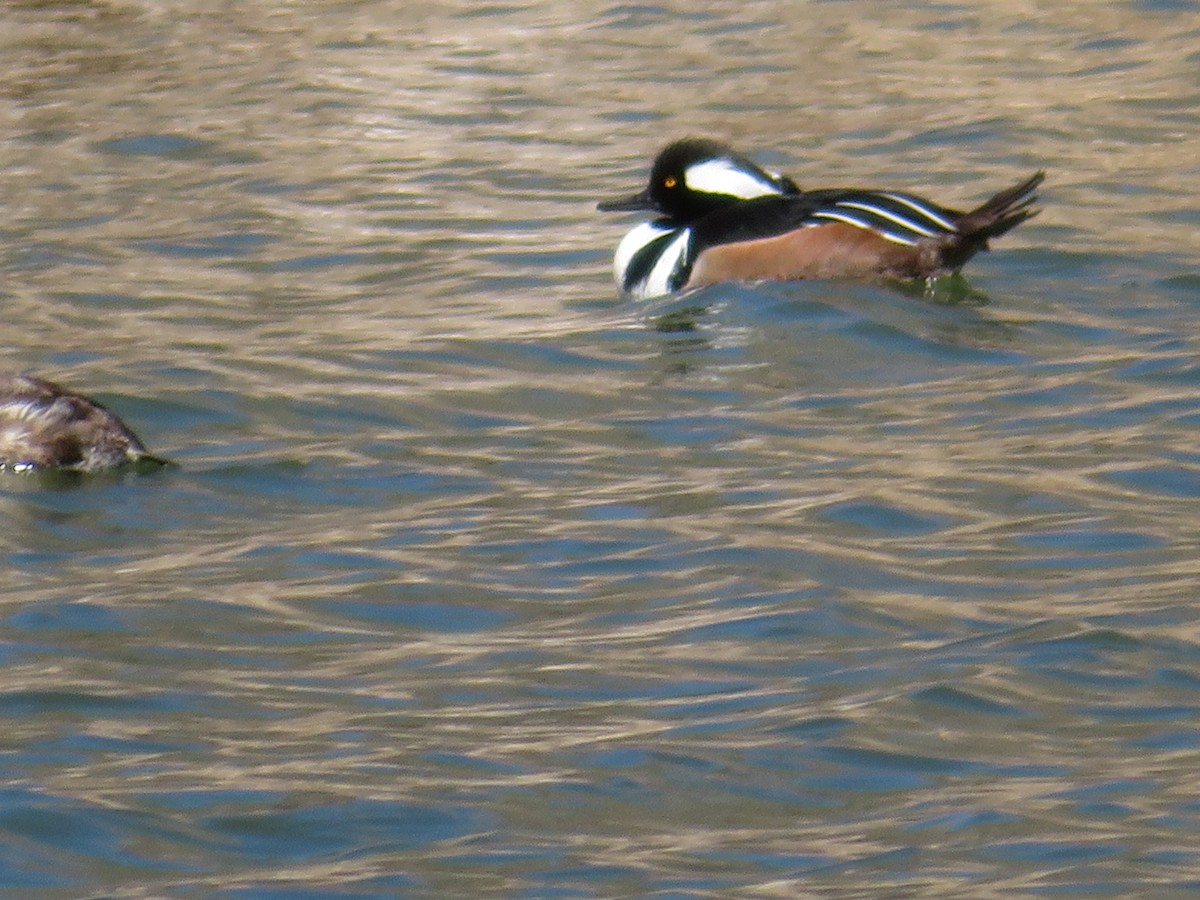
x=45 y=426
x=720 y=217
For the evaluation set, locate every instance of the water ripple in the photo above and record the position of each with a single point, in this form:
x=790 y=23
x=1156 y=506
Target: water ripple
x=476 y=579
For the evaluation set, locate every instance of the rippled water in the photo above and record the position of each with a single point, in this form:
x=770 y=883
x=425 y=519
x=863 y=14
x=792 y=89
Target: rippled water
x=475 y=579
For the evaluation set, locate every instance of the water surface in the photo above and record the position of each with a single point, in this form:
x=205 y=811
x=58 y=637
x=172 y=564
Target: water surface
x=475 y=579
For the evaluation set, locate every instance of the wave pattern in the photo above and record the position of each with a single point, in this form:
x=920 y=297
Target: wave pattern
x=477 y=580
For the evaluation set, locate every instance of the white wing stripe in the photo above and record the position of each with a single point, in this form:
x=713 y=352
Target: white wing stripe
x=859 y=223
x=890 y=216
x=922 y=209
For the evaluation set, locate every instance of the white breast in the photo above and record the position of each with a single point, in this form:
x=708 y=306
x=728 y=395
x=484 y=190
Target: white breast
x=672 y=259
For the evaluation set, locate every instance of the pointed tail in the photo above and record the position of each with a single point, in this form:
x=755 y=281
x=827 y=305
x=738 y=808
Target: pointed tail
x=999 y=215
x=1003 y=212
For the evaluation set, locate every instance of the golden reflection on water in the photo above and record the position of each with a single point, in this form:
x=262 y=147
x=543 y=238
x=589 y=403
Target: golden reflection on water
x=457 y=522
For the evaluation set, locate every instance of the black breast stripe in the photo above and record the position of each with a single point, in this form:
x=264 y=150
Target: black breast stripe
x=646 y=258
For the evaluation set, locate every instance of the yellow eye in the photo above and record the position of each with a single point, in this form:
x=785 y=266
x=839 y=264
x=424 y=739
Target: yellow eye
x=669 y=182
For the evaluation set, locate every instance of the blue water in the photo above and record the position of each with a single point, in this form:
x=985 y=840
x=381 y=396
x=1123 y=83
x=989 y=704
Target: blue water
x=474 y=579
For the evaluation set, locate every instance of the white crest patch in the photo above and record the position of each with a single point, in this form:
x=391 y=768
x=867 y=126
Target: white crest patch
x=724 y=176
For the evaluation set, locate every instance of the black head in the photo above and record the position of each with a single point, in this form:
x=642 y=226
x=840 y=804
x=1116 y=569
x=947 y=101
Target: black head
x=693 y=177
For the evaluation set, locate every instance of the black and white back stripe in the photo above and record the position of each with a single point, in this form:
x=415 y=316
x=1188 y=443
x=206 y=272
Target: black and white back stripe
x=901 y=218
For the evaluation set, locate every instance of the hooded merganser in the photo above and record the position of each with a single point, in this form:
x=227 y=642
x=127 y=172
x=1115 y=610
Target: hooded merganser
x=722 y=218
x=44 y=426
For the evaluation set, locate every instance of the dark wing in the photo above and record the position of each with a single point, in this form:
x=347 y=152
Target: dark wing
x=901 y=218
